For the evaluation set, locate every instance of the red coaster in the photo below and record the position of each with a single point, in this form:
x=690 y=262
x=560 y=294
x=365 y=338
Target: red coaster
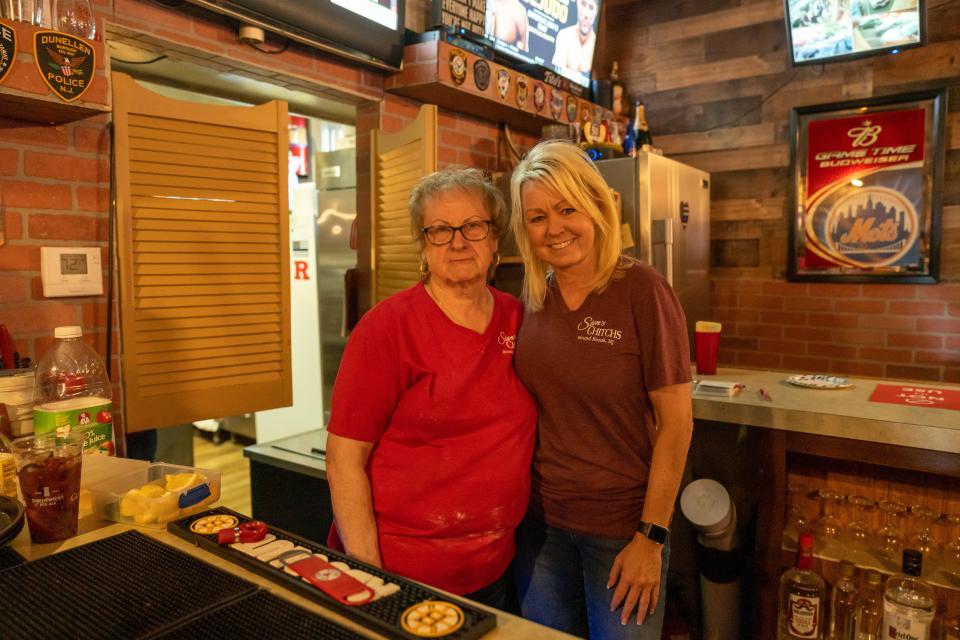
x=333 y=582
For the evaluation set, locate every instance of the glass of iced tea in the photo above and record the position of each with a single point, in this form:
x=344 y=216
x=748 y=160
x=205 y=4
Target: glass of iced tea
x=48 y=467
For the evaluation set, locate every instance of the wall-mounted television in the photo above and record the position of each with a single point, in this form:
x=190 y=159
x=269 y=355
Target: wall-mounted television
x=827 y=30
x=557 y=34
x=367 y=31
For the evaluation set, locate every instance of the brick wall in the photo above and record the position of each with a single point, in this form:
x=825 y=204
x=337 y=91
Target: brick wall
x=718 y=86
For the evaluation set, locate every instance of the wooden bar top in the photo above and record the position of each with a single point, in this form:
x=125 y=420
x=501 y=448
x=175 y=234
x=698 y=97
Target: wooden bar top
x=509 y=627
x=841 y=413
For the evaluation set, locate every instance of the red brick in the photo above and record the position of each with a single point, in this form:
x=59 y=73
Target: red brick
x=953 y=342
x=485 y=145
x=860 y=306
x=907 y=372
x=446 y=156
x=93 y=199
x=31 y=195
x=946 y=292
x=890 y=291
x=454 y=138
x=916 y=308
x=833 y=320
x=739 y=343
x=781 y=346
x=36 y=288
x=13 y=288
x=751 y=359
x=951 y=375
x=914 y=340
x=723 y=300
x=9 y=162
x=12 y=225
x=808 y=304
x=91 y=140
x=774 y=303
x=82 y=228
x=886 y=355
x=949 y=358
x=862 y=336
x=24 y=77
x=783 y=317
x=896 y=323
x=811 y=334
x=64 y=167
x=19 y=258
x=38 y=318
x=831 y=350
x=937 y=325
x=779 y=288
x=953 y=309
x=736 y=285
x=756 y=330
x=805 y=363
x=31 y=134
x=94 y=314
x=866 y=369
x=829 y=289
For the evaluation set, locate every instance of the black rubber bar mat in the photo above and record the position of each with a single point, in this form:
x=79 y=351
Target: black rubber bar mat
x=261 y=615
x=381 y=616
x=9 y=558
x=124 y=586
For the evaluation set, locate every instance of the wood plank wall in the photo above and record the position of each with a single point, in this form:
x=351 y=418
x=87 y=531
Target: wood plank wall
x=716 y=78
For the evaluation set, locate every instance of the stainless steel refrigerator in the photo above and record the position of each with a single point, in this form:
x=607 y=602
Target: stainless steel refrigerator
x=666 y=217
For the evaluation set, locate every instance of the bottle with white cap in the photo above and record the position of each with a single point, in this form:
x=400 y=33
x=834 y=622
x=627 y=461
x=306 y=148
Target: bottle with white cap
x=73 y=391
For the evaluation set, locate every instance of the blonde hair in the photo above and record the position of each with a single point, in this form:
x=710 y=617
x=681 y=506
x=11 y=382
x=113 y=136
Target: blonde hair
x=566 y=169
x=449 y=179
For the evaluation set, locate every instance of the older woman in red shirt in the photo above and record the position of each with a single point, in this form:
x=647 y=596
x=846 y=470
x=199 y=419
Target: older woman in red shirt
x=431 y=431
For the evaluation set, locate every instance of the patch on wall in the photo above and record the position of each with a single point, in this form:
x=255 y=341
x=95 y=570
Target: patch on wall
x=8 y=50
x=458 y=66
x=481 y=74
x=66 y=63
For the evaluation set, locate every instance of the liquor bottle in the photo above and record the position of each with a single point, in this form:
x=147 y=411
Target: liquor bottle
x=951 y=628
x=640 y=127
x=802 y=596
x=843 y=601
x=869 y=612
x=908 y=601
x=617 y=90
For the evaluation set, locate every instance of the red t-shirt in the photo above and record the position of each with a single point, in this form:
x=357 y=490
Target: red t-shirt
x=454 y=432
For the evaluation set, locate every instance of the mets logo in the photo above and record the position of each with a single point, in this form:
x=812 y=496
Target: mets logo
x=872 y=227
x=865 y=135
x=66 y=63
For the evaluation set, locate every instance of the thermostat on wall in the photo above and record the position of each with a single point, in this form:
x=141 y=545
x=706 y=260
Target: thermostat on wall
x=70 y=271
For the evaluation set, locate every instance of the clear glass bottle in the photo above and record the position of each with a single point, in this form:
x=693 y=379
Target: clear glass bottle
x=802 y=596
x=843 y=601
x=869 y=611
x=908 y=601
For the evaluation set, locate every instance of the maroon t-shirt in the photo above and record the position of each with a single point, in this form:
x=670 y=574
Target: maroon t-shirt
x=591 y=371
x=453 y=429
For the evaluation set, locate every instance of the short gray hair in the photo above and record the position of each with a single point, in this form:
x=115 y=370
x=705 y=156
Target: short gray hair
x=466 y=179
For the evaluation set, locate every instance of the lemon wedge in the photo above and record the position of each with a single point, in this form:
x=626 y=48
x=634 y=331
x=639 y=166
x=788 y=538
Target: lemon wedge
x=132 y=503
x=181 y=481
x=152 y=491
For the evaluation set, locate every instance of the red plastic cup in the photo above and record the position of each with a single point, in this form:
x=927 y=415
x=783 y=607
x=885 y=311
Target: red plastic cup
x=707 y=340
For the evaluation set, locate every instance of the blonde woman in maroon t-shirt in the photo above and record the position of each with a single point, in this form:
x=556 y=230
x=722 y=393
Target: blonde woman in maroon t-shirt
x=431 y=431
x=604 y=350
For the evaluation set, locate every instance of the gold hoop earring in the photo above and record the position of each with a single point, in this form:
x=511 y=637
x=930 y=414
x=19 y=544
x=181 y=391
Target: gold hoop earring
x=424 y=271
x=492 y=271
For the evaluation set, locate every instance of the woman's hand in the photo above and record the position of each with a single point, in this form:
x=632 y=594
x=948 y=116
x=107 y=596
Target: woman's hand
x=351 y=496
x=636 y=574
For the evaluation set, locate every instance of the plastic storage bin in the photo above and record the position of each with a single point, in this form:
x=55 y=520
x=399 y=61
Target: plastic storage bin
x=155 y=494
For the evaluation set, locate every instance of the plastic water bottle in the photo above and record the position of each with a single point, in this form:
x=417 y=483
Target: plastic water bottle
x=73 y=391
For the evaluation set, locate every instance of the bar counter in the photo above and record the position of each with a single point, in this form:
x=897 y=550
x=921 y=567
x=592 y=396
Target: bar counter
x=509 y=627
x=840 y=413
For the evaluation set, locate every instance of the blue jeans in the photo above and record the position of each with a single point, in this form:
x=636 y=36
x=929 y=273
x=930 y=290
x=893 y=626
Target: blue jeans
x=562 y=583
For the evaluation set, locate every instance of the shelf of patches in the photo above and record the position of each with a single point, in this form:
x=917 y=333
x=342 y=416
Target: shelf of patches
x=440 y=73
x=69 y=82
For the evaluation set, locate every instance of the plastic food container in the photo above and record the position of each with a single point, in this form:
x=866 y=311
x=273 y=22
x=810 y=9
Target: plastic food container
x=155 y=494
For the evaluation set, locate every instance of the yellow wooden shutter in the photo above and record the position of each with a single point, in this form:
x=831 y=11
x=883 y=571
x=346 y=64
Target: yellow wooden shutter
x=398 y=160
x=203 y=249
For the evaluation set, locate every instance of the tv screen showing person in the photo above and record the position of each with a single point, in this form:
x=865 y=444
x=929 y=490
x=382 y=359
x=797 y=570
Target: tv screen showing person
x=558 y=34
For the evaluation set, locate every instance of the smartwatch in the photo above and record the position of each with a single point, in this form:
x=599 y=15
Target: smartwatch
x=654 y=531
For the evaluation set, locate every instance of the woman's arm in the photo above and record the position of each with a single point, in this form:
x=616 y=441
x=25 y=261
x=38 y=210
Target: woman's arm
x=352 y=500
x=636 y=570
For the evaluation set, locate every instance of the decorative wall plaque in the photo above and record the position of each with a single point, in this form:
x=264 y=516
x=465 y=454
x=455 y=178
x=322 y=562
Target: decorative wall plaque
x=8 y=50
x=66 y=63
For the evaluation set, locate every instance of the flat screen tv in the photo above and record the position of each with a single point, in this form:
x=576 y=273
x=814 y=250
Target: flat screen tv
x=368 y=31
x=560 y=35
x=828 y=30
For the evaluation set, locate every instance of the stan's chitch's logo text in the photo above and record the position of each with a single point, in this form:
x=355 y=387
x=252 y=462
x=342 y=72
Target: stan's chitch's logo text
x=597 y=331
x=66 y=63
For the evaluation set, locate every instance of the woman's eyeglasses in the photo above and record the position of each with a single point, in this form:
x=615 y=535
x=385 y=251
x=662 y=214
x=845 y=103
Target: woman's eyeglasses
x=441 y=234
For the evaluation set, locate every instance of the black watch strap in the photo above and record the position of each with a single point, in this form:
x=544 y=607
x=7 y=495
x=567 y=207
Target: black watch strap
x=654 y=531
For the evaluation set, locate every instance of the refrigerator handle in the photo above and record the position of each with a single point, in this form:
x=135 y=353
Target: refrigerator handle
x=661 y=237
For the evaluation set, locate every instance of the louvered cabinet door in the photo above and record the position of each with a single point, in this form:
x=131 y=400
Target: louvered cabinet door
x=398 y=161
x=203 y=255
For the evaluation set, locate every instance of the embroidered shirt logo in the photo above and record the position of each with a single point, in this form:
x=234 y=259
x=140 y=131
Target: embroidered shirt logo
x=508 y=342
x=597 y=331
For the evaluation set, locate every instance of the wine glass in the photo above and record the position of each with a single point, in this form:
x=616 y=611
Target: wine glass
x=828 y=525
x=952 y=549
x=860 y=530
x=796 y=518
x=889 y=536
x=922 y=541
x=74 y=17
